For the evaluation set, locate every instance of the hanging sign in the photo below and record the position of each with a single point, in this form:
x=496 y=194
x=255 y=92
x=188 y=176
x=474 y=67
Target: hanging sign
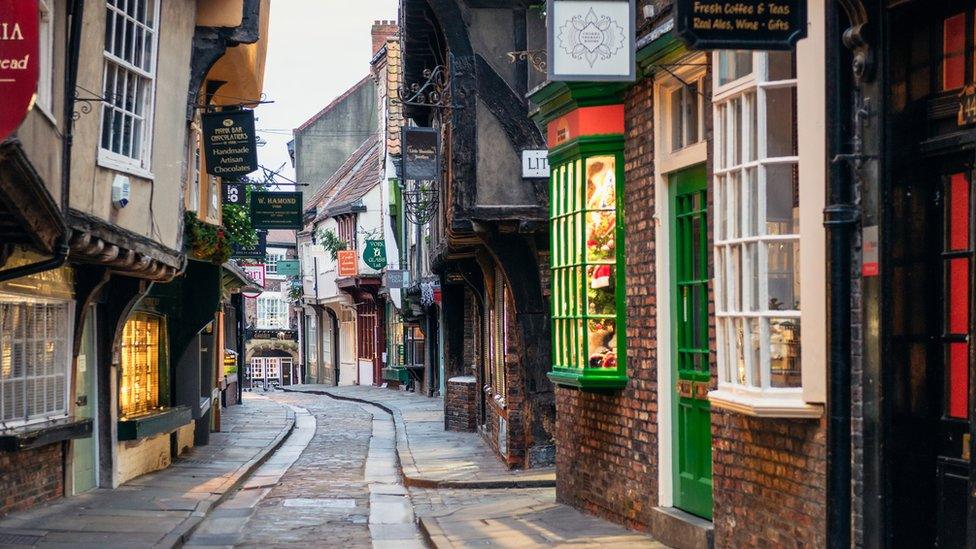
x=288 y=267
x=276 y=210
x=375 y=254
x=348 y=263
x=233 y=194
x=967 y=106
x=255 y=251
x=18 y=61
x=592 y=40
x=229 y=143
x=535 y=163
x=741 y=25
x=420 y=147
x=396 y=279
x=255 y=272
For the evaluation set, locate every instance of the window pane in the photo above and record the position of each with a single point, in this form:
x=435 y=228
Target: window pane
x=733 y=65
x=719 y=220
x=677 y=120
x=602 y=340
x=752 y=276
x=780 y=123
x=782 y=200
x=600 y=290
x=751 y=184
x=784 y=275
x=752 y=341
x=784 y=352
x=735 y=206
x=690 y=95
x=781 y=65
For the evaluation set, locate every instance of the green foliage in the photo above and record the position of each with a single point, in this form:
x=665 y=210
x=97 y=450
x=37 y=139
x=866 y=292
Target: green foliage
x=237 y=220
x=205 y=241
x=294 y=288
x=331 y=242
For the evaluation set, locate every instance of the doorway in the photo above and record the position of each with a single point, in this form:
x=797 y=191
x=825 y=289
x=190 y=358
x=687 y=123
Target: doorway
x=85 y=450
x=691 y=371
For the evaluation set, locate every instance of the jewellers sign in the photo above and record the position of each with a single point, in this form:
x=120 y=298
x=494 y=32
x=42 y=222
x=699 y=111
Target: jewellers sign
x=592 y=40
x=18 y=61
x=276 y=210
x=229 y=143
x=741 y=24
x=420 y=154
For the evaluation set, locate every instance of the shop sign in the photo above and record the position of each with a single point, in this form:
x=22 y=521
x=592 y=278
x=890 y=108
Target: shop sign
x=869 y=251
x=288 y=267
x=374 y=254
x=741 y=25
x=18 y=61
x=348 y=263
x=592 y=40
x=967 y=106
x=233 y=194
x=256 y=272
x=255 y=251
x=276 y=210
x=396 y=279
x=535 y=163
x=229 y=143
x=420 y=146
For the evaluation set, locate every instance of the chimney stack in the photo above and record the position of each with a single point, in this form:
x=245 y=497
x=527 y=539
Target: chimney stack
x=382 y=31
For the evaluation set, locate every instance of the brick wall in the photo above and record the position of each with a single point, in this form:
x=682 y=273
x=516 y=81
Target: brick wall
x=31 y=477
x=461 y=404
x=606 y=444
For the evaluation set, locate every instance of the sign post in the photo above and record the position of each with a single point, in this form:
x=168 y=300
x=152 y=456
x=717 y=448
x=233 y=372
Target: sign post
x=741 y=25
x=18 y=61
x=592 y=40
x=375 y=254
x=230 y=144
x=276 y=210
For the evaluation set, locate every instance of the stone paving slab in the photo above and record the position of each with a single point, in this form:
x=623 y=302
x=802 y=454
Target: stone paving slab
x=162 y=509
x=430 y=456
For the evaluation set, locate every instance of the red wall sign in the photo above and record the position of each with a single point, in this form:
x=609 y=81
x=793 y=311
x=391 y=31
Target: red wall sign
x=18 y=61
x=348 y=263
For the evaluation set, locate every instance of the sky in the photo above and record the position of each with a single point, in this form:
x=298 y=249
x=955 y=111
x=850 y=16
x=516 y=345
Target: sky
x=317 y=49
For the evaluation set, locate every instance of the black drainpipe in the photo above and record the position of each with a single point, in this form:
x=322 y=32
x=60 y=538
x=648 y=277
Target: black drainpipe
x=76 y=13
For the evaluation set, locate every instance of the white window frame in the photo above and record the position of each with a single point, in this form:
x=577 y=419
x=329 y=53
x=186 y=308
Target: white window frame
x=271 y=260
x=45 y=79
x=749 y=395
x=269 y=317
x=667 y=91
x=141 y=165
x=64 y=362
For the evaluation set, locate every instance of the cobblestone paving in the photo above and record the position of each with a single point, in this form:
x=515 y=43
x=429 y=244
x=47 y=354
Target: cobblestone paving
x=323 y=499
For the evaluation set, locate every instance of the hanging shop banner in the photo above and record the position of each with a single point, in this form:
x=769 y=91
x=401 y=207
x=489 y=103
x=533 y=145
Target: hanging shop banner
x=396 y=279
x=276 y=210
x=741 y=25
x=420 y=146
x=592 y=40
x=257 y=251
x=375 y=254
x=233 y=194
x=229 y=143
x=348 y=263
x=288 y=267
x=255 y=272
x=18 y=61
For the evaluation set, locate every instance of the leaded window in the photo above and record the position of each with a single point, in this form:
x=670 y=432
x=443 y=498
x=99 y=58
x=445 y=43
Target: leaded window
x=586 y=227
x=129 y=81
x=34 y=359
x=143 y=347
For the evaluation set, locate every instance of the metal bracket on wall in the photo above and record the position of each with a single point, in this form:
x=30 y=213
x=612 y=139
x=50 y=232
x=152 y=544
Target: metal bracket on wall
x=537 y=58
x=434 y=92
x=86 y=102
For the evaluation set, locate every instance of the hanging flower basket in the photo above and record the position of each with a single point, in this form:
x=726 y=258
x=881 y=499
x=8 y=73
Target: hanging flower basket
x=206 y=242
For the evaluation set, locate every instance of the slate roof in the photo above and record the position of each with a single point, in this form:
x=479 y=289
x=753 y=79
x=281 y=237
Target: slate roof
x=354 y=178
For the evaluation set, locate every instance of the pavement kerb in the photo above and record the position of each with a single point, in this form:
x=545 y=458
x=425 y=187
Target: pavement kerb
x=179 y=535
x=411 y=474
x=433 y=533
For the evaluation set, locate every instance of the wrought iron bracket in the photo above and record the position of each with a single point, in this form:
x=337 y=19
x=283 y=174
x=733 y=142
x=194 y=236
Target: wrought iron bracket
x=84 y=103
x=537 y=58
x=434 y=92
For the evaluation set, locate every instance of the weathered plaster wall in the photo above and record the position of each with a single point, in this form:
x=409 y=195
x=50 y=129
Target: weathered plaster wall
x=138 y=457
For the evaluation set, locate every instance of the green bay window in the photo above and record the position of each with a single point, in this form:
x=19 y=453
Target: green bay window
x=587 y=256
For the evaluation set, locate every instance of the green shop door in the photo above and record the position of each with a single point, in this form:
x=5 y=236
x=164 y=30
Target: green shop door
x=84 y=450
x=689 y=297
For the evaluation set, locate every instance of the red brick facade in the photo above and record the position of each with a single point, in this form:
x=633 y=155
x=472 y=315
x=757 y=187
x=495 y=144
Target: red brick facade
x=768 y=474
x=461 y=404
x=31 y=477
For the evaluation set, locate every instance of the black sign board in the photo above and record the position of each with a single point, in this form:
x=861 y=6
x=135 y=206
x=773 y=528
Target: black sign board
x=229 y=143
x=276 y=210
x=233 y=194
x=741 y=24
x=967 y=106
x=420 y=147
x=257 y=251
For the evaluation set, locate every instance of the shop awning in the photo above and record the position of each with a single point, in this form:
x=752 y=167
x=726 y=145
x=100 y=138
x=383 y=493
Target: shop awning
x=235 y=280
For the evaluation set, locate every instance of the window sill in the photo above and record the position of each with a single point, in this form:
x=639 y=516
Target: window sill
x=164 y=421
x=112 y=161
x=787 y=406
x=42 y=434
x=589 y=380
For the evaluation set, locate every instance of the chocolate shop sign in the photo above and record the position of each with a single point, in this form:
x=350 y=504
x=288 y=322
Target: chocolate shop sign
x=229 y=143
x=741 y=24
